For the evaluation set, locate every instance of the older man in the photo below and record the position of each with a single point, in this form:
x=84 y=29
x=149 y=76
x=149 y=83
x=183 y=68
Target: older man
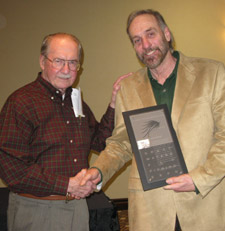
x=194 y=91
x=46 y=133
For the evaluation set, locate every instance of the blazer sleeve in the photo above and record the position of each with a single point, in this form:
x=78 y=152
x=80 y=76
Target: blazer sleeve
x=118 y=149
x=212 y=172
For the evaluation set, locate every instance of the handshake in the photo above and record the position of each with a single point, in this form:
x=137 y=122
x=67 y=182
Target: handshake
x=84 y=183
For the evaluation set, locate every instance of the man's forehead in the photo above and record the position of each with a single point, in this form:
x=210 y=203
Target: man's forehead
x=62 y=40
x=62 y=44
x=142 y=23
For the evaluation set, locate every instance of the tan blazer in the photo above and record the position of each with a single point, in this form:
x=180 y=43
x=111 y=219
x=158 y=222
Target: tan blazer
x=198 y=116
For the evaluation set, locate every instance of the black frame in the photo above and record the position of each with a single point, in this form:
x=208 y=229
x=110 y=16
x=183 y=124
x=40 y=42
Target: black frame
x=169 y=166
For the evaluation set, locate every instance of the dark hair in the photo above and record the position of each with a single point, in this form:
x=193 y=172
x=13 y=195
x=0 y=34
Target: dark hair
x=159 y=18
x=47 y=39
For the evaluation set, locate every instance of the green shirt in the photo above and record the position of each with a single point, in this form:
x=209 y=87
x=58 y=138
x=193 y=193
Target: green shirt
x=164 y=93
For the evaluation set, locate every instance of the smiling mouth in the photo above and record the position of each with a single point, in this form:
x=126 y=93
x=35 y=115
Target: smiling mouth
x=150 y=52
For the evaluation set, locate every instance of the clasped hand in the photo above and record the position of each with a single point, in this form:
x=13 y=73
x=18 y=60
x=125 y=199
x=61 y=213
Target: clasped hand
x=84 y=183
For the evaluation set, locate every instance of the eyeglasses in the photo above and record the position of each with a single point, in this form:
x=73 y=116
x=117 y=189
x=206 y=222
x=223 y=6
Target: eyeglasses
x=60 y=63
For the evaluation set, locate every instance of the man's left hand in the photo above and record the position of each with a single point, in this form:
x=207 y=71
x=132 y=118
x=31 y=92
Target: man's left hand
x=182 y=183
x=116 y=87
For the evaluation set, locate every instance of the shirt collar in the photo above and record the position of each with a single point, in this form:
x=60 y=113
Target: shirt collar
x=52 y=90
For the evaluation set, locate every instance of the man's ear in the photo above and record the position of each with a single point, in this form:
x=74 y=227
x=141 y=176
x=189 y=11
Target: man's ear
x=167 y=34
x=42 y=62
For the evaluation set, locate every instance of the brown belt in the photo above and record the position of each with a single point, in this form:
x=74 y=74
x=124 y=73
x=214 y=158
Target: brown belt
x=53 y=197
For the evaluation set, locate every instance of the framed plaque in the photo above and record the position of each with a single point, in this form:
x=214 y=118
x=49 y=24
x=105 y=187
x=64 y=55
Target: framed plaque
x=155 y=145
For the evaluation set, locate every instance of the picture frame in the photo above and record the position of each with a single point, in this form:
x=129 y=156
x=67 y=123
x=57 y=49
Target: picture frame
x=155 y=145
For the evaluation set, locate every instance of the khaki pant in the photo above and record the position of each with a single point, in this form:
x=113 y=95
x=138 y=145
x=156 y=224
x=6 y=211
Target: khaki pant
x=26 y=214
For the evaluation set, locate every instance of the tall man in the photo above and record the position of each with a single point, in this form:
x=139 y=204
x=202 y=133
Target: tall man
x=46 y=133
x=194 y=91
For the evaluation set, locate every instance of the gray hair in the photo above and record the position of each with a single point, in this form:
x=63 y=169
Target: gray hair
x=159 y=18
x=47 y=39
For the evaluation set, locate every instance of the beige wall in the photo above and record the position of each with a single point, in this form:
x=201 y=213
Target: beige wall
x=198 y=27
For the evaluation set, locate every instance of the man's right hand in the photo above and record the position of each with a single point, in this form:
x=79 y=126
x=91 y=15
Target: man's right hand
x=78 y=190
x=92 y=175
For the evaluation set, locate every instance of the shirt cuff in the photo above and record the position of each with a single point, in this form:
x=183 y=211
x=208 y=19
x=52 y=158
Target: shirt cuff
x=61 y=185
x=110 y=112
x=196 y=190
x=99 y=186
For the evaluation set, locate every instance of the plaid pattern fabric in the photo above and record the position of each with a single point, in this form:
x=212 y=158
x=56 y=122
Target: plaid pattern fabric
x=42 y=143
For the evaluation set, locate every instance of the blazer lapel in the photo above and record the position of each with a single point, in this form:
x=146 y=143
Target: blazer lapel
x=184 y=83
x=144 y=90
x=144 y=96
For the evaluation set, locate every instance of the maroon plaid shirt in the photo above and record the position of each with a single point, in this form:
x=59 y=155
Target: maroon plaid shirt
x=42 y=143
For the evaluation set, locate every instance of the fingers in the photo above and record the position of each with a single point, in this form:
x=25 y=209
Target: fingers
x=81 y=174
x=86 y=179
x=174 y=186
x=80 y=191
x=78 y=194
x=173 y=180
x=182 y=183
x=122 y=77
x=92 y=175
x=116 y=87
x=84 y=183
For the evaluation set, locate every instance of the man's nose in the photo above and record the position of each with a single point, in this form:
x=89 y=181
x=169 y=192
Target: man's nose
x=65 y=68
x=146 y=43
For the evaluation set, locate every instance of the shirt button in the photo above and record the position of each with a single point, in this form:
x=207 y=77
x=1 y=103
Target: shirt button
x=71 y=141
x=57 y=92
x=75 y=160
x=67 y=121
x=164 y=90
x=52 y=98
x=62 y=104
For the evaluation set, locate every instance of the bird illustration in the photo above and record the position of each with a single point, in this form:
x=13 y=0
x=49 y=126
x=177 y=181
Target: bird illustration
x=149 y=126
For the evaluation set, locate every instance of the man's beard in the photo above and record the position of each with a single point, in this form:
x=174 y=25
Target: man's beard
x=154 y=61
